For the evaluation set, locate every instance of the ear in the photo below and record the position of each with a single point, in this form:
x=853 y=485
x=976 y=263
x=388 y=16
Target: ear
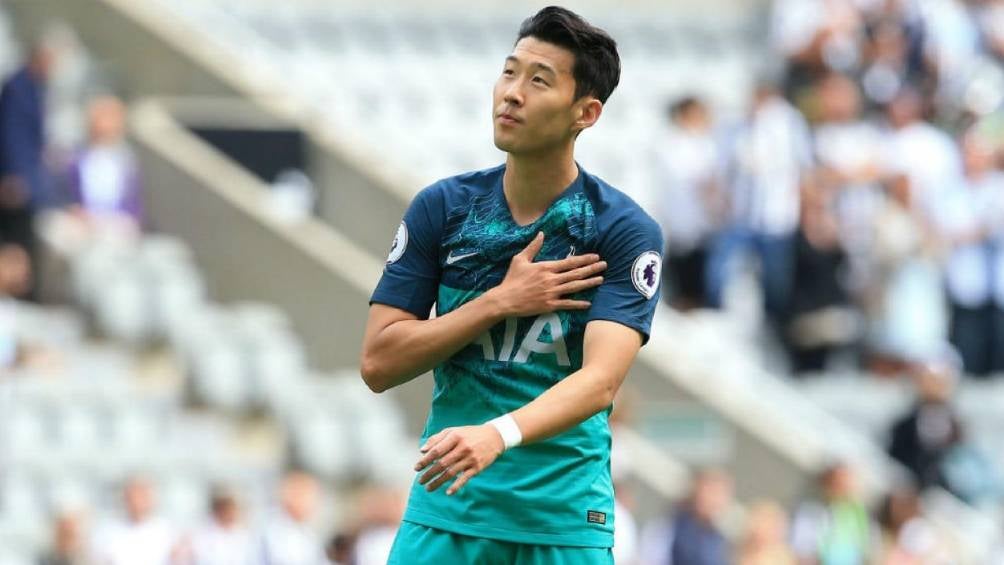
x=588 y=110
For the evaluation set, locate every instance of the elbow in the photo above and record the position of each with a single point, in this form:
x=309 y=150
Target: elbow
x=373 y=375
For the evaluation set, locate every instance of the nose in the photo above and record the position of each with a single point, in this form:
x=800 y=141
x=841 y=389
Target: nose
x=514 y=94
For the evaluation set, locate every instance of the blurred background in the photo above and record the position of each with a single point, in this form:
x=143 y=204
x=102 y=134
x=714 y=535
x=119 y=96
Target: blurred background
x=197 y=196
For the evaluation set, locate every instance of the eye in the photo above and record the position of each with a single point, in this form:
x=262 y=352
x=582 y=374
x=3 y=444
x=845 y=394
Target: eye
x=508 y=72
x=540 y=80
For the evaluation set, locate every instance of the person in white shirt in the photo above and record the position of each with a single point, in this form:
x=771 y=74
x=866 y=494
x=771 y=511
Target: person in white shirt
x=141 y=537
x=686 y=171
x=225 y=540
x=928 y=157
x=289 y=537
x=848 y=150
x=768 y=160
x=967 y=216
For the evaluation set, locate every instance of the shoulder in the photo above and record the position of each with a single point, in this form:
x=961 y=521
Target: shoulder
x=616 y=212
x=452 y=192
x=465 y=186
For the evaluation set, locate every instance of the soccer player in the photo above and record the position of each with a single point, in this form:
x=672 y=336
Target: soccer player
x=545 y=281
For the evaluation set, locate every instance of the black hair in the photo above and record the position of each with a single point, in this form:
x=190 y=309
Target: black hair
x=597 y=67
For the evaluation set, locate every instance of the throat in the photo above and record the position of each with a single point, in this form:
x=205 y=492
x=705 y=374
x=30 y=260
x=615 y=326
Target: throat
x=531 y=187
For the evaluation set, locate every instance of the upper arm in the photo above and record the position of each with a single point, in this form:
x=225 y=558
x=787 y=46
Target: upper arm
x=609 y=348
x=410 y=280
x=632 y=248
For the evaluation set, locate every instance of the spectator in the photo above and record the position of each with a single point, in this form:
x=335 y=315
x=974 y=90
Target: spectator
x=923 y=437
x=821 y=320
x=967 y=217
x=224 y=540
x=848 y=150
x=22 y=143
x=905 y=301
x=693 y=535
x=380 y=511
x=687 y=162
x=288 y=537
x=340 y=549
x=104 y=176
x=768 y=160
x=909 y=538
x=141 y=537
x=815 y=37
x=926 y=156
x=15 y=280
x=835 y=528
x=990 y=17
x=766 y=535
x=68 y=543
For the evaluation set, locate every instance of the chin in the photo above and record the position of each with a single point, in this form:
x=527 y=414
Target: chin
x=504 y=144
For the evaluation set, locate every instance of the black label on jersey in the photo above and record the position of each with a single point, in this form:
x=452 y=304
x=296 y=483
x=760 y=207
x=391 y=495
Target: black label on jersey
x=594 y=517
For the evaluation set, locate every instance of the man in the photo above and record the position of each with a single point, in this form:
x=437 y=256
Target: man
x=141 y=537
x=288 y=537
x=529 y=343
x=687 y=166
x=225 y=540
x=104 y=176
x=693 y=535
x=923 y=437
x=22 y=142
x=768 y=161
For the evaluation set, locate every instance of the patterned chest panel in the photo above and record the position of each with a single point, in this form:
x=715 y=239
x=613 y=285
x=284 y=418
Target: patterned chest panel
x=481 y=239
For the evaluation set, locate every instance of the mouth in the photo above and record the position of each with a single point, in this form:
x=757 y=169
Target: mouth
x=508 y=119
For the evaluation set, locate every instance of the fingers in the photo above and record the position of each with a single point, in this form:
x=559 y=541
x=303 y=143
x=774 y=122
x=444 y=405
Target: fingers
x=434 y=439
x=582 y=272
x=434 y=452
x=444 y=463
x=534 y=247
x=574 y=262
x=447 y=475
x=568 y=304
x=578 y=286
x=461 y=481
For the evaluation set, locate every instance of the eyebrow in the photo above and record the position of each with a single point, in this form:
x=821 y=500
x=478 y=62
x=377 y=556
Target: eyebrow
x=541 y=66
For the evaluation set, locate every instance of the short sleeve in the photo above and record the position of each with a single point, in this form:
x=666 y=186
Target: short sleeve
x=632 y=248
x=410 y=279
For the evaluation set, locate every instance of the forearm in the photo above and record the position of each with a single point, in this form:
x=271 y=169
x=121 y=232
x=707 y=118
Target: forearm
x=566 y=404
x=408 y=348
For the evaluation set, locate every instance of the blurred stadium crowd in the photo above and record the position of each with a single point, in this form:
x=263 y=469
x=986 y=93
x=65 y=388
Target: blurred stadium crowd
x=864 y=186
x=865 y=180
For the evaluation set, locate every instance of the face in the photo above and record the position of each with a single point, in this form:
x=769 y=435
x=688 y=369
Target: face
x=712 y=495
x=840 y=483
x=107 y=120
x=299 y=496
x=839 y=99
x=534 y=100
x=139 y=500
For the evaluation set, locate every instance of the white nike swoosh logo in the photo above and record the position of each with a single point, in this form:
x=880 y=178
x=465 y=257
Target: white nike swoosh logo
x=451 y=258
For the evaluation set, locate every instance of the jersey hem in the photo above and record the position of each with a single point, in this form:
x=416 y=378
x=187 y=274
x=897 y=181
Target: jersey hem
x=604 y=541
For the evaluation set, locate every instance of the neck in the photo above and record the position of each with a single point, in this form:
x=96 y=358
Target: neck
x=532 y=182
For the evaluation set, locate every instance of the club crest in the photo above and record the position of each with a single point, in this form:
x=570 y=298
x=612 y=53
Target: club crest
x=400 y=244
x=645 y=273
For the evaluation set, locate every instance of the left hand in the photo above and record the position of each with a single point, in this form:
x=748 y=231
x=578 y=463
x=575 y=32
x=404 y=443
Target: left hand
x=458 y=453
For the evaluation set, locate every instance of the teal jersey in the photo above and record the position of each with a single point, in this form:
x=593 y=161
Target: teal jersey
x=456 y=242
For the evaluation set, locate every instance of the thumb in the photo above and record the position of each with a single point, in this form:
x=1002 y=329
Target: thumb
x=534 y=247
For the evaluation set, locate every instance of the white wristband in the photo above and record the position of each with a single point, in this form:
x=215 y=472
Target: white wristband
x=508 y=429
